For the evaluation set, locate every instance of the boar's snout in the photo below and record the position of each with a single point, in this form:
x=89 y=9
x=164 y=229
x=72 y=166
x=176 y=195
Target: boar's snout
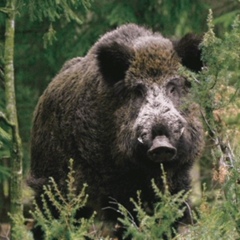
x=161 y=149
x=161 y=140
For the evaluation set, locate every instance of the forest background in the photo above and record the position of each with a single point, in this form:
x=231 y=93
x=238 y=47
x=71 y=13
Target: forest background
x=45 y=39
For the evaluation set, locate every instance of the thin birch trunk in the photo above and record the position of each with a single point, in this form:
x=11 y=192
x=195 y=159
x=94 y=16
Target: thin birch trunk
x=11 y=113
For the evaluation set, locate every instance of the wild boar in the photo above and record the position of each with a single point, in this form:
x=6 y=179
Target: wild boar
x=120 y=112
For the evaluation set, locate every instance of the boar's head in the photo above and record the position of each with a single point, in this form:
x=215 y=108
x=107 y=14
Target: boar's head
x=155 y=119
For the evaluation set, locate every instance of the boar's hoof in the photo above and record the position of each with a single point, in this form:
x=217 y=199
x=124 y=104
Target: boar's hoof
x=161 y=150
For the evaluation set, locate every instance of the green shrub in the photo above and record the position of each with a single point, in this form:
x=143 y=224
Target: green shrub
x=160 y=224
x=66 y=227
x=218 y=218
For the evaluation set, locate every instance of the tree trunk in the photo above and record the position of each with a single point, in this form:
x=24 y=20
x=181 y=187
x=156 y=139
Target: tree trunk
x=11 y=112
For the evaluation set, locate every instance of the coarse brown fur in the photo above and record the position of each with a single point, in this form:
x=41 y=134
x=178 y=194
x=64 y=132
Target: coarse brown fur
x=96 y=109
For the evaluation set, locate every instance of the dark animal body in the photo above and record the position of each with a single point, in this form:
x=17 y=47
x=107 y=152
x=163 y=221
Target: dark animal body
x=119 y=112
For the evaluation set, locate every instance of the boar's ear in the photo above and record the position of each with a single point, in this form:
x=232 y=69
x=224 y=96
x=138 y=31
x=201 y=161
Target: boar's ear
x=113 y=61
x=188 y=49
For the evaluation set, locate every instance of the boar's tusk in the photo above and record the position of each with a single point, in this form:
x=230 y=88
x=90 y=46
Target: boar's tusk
x=181 y=132
x=140 y=140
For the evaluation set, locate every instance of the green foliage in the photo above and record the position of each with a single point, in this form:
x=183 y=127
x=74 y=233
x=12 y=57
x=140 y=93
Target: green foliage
x=5 y=140
x=214 y=219
x=222 y=67
x=219 y=62
x=216 y=89
x=19 y=231
x=218 y=218
x=4 y=173
x=159 y=15
x=54 y=10
x=66 y=227
x=224 y=14
x=49 y=37
x=158 y=225
x=34 y=64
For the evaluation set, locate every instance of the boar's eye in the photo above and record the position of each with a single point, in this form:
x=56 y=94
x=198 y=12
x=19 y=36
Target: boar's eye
x=172 y=89
x=139 y=90
x=178 y=87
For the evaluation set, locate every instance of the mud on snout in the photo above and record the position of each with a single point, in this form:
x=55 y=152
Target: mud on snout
x=160 y=141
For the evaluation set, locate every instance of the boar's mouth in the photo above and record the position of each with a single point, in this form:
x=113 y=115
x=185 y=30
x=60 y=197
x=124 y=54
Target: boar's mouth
x=161 y=150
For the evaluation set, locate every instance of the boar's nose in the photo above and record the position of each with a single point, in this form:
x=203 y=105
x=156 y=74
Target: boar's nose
x=161 y=150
